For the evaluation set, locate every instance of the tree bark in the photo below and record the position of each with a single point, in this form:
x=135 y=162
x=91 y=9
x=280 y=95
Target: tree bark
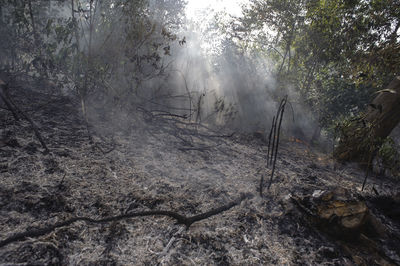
x=361 y=138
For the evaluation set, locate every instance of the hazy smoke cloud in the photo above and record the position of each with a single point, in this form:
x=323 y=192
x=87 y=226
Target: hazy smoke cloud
x=207 y=76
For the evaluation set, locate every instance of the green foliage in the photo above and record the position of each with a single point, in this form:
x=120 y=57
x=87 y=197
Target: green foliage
x=356 y=140
x=334 y=97
x=105 y=47
x=390 y=156
x=39 y=38
x=130 y=42
x=335 y=53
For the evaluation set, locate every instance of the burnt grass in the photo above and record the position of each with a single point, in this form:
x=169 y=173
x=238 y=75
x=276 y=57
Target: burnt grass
x=137 y=163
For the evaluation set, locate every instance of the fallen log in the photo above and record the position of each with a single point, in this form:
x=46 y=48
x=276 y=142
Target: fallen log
x=347 y=219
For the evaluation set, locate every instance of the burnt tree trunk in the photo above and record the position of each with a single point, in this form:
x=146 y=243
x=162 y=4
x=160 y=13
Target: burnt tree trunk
x=362 y=137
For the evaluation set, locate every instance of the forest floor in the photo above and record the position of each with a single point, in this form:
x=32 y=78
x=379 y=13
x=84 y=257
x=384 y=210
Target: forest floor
x=162 y=163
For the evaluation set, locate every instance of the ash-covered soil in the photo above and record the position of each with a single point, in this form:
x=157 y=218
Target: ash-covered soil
x=143 y=161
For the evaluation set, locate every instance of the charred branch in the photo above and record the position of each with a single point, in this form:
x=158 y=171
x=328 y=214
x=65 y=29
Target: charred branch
x=274 y=134
x=180 y=219
x=269 y=139
x=283 y=104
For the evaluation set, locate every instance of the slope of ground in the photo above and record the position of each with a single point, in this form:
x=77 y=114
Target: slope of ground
x=162 y=163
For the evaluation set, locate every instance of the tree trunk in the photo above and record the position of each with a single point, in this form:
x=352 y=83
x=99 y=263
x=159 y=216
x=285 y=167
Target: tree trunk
x=362 y=137
x=384 y=111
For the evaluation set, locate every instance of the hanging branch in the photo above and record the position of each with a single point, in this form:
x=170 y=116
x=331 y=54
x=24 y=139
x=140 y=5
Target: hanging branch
x=274 y=134
x=274 y=129
x=269 y=139
x=184 y=220
x=283 y=103
x=274 y=137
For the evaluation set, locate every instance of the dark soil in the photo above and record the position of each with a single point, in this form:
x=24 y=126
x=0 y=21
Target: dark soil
x=136 y=164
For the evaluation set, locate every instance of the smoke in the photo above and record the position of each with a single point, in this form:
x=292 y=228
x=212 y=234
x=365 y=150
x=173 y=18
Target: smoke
x=200 y=73
x=232 y=86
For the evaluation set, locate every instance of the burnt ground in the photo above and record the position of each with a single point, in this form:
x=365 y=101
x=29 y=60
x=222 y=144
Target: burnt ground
x=149 y=162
